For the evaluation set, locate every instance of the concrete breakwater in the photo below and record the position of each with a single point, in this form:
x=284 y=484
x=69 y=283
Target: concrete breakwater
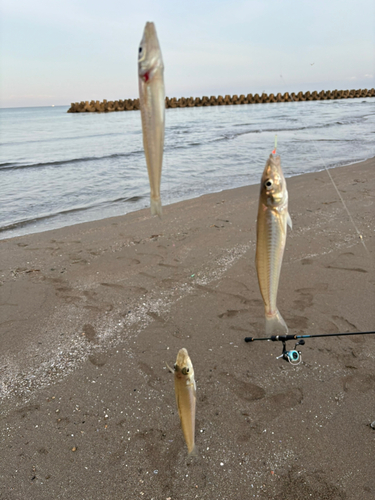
x=190 y=102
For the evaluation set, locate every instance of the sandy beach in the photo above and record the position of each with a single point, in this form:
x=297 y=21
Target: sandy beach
x=91 y=313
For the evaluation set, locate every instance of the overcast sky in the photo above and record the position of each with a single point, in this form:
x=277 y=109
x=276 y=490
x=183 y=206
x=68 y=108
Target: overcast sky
x=61 y=52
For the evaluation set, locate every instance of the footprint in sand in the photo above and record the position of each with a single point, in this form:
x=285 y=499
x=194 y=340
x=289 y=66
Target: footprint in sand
x=307 y=295
x=113 y=285
x=297 y=322
x=26 y=410
x=244 y=390
x=344 y=325
x=306 y=262
x=300 y=484
x=98 y=359
x=358 y=383
x=129 y=261
x=153 y=380
x=90 y=333
x=229 y=313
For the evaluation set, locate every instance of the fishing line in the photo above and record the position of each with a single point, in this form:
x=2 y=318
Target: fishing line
x=331 y=178
x=274 y=151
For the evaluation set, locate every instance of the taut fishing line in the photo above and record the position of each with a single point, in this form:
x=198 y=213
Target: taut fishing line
x=333 y=182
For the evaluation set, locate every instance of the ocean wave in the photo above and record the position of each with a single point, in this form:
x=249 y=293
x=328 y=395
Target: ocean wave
x=170 y=147
x=310 y=127
x=202 y=151
x=59 y=139
x=40 y=219
x=16 y=166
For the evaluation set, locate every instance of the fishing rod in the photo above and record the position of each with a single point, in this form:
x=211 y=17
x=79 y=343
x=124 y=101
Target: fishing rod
x=293 y=356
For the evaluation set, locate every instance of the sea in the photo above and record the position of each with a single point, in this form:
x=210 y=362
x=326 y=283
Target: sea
x=58 y=169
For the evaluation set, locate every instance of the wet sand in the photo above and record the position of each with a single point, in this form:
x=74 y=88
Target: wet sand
x=91 y=313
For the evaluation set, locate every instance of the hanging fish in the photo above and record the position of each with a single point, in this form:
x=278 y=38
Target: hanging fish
x=273 y=218
x=152 y=105
x=185 y=391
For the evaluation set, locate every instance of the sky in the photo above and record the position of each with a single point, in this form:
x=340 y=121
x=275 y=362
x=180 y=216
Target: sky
x=55 y=53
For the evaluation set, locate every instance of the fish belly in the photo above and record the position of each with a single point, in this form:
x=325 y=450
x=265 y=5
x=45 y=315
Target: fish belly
x=152 y=106
x=271 y=236
x=186 y=400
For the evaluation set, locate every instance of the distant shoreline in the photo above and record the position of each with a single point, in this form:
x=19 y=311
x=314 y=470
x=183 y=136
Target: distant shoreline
x=190 y=102
x=146 y=210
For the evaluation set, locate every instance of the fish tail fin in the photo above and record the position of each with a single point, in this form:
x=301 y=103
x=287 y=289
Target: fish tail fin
x=193 y=452
x=156 y=207
x=275 y=324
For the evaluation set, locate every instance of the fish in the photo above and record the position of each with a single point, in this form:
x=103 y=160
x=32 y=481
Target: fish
x=272 y=221
x=152 y=106
x=185 y=391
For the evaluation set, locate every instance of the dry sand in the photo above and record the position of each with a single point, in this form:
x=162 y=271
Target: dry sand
x=91 y=313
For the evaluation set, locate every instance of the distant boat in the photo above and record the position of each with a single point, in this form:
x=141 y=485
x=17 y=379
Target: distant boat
x=53 y=105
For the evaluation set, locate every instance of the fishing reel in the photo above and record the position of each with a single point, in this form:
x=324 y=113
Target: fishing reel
x=293 y=356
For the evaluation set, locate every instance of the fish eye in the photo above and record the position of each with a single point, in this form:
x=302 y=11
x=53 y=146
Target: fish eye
x=268 y=183
x=187 y=370
x=140 y=50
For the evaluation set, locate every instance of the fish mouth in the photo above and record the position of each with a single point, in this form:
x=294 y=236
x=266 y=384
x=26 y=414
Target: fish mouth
x=182 y=359
x=150 y=38
x=150 y=29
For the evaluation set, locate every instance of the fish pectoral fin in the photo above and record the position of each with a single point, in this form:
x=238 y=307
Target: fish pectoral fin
x=178 y=407
x=169 y=368
x=289 y=221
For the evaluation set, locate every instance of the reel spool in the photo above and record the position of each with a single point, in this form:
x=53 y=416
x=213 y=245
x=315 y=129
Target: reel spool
x=293 y=356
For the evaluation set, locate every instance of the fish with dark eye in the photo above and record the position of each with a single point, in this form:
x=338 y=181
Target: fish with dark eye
x=152 y=105
x=272 y=221
x=185 y=391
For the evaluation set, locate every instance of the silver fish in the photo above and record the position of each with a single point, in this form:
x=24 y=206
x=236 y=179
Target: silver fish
x=152 y=104
x=272 y=221
x=185 y=391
